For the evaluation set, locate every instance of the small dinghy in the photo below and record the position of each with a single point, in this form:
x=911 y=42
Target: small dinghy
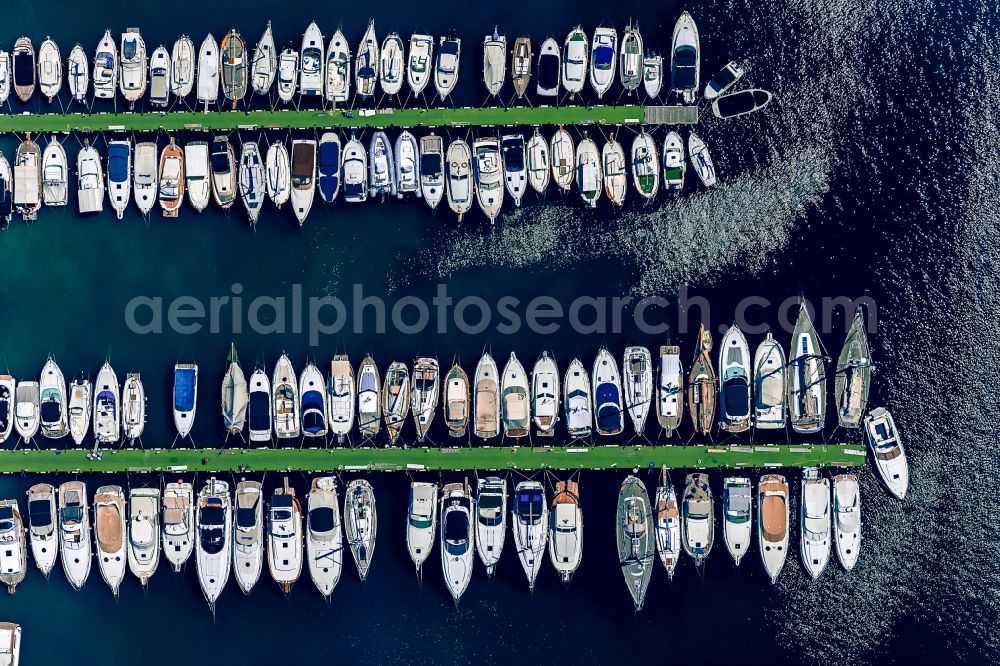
x=214 y=542
x=407 y=165
x=634 y=534
x=360 y=523
x=55 y=188
x=312 y=390
x=303 y=180
x=224 y=176
x=446 y=67
x=42 y=527
x=615 y=175
x=418 y=66
x=458 y=537
x=458 y=171
x=145 y=176
x=159 y=78
x=5 y=76
x=89 y=180
x=576 y=401
x=421 y=522
x=288 y=74
x=685 y=59
x=890 y=458
x=208 y=72
x=340 y=396
x=52 y=401
x=630 y=68
x=491 y=521
x=806 y=386
x=111 y=535
x=6 y=198
x=143 y=533
x=608 y=409
x=697 y=518
x=284 y=537
x=278 y=174
x=324 y=540
x=338 y=69
x=391 y=72
x=235 y=396
x=515 y=174
x=486 y=398
x=431 y=169
x=603 y=54
x=562 y=158
x=8 y=388
x=28 y=179
x=355 y=172
x=396 y=399
x=589 y=178
x=530 y=524
x=171 y=184
x=674 y=164
x=846 y=519
x=853 y=374
x=248 y=535
x=769 y=378
x=723 y=80
x=545 y=395
x=652 y=75
x=456 y=401
x=49 y=69
x=735 y=380
x=515 y=406
x=311 y=79
x=701 y=160
x=182 y=67
x=74 y=533
x=252 y=187
x=538 y=169
x=14 y=554
x=772 y=523
x=668 y=524
x=27 y=405
x=424 y=386
x=381 y=167
x=549 y=69
x=566 y=530
x=741 y=103
x=197 y=174
x=637 y=371
x=369 y=402
x=107 y=407
x=106 y=68
x=736 y=513
x=77 y=74
x=133 y=407
x=366 y=63
x=814 y=522
x=494 y=62
x=259 y=406
x=178 y=523
x=702 y=388
x=520 y=65
x=264 y=66
x=233 y=55
x=80 y=405
x=574 y=61
x=134 y=65
x=185 y=397
x=120 y=175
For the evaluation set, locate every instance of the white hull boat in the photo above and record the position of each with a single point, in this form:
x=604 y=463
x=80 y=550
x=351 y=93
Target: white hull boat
x=52 y=401
x=890 y=458
x=674 y=163
x=685 y=61
x=74 y=533
x=312 y=392
x=491 y=520
x=486 y=398
x=652 y=75
x=284 y=537
x=589 y=176
x=50 y=72
x=431 y=167
x=110 y=534
x=178 y=523
x=566 y=530
x=407 y=165
x=208 y=72
x=134 y=65
x=311 y=79
x=369 y=398
x=769 y=378
x=80 y=402
x=303 y=177
x=667 y=518
x=701 y=160
x=107 y=407
x=458 y=171
x=381 y=167
x=366 y=65
x=145 y=180
x=361 y=523
x=494 y=62
x=324 y=535
x=545 y=395
x=772 y=523
x=391 y=64
x=27 y=408
x=814 y=522
x=340 y=397
x=530 y=523
x=446 y=67
x=106 y=68
x=182 y=67
x=288 y=74
x=487 y=169
x=144 y=533
x=259 y=406
x=603 y=58
x=515 y=172
x=725 y=79
x=574 y=61
x=265 y=63
x=253 y=189
x=355 y=178
x=338 y=69
x=285 y=399
x=90 y=181
x=77 y=75
x=185 y=397
x=159 y=78
x=213 y=547
x=615 y=173
x=54 y=174
x=735 y=381
x=549 y=69
x=133 y=407
x=630 y=59
x=608 y=406
x=120 y=175
x=42 y=529
x=539 y=169
x=737 y=516
x=846 y=519
x=637 y=375
x=562 y=157
x=576 y=401
x=278 y=173
x=196 y=174
x=420 y=62
x=421 y=522
x=458 y=537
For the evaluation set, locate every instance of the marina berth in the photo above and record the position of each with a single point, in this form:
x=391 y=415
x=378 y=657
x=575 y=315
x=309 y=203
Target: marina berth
x=264 y=65
x=90 y=180
x=459 y=182
x=42 y=528
x=208 y=72
x=80 y=402
x=530 y=524
x=178 y=520
x=549 y=69
x=111 y=535
x=77 y=74
x=50 y=73
x=603 y=56
x=458 y=537
x=369 y=403
x=367 y=63
x=391 y=64
x=446 y=66
x=14 y=553
x=106 y=68
x=491 y=520
x=145 y=176
x=340 y=397
x=421 y=522
x=198 y=179
x=324 y=535
x=233 y=67
x=288 y=74
x=360 y=523
x=431 y=169
x=697 y=518
x=120 y=176
x=55 y=178
x=635 y=539
x=770 y=377
x=284 y=537
x=630 y=69
x=144 y=533
x=213 y=543
x=520 y=65
x=814 y=522
x=311 y=76
x=74 y=533
x=133 y=407
x=737 y=516
x=566 y=529
x=668 y=524
x=28 y=179
x=670 y=389
x=182 y=67
x=134 y=72
x=685 y=60
x=887 y=448
x=420 y=63
x=772 y=523
x=185 y=397
x=494 y=62
x=846 y=519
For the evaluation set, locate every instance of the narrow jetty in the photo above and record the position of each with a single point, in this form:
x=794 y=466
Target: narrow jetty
x=582 y=456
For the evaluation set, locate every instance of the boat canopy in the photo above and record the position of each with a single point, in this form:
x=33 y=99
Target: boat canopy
x=603 y=55
x=51 y=411
x=246 y=517
x=548 y=70
x=736 y=396
x=40 y=513
x=24 y=67
x=118 y=154
x=431 y=164
x=259 y=410
x=685 y=66
x=184 y=379
x=456 y=532
x=529 y=503
x=321 y=519
x=129 y=48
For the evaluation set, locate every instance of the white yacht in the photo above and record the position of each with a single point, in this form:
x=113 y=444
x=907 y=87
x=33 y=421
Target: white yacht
x=652 y=75
x=77 y=74
x=223 y=169
x=890 y=458
x=770 y=375
x=120 y=175
x=538 y=166
x=608 y=406
x=253 y=190
x=14 y=553
x=369 y=403
x=667 y=519
x=737 y=516
x=10 y=644
x=159 y=77
x=494 y=62
x=27 y=182
x=589 y=176
x=248 y=535
x=603 y=57
x=735 y=381
x=265 y=63
x=185 y=397
x=208 y=72
x=615 y=172
x=515 y=173
x=566 y=529
x=312 y=61
x=576 y=401
x=420 y=62
x=340 y=397
x=407 y=165
x=674 y=162
x=515 y=405
x=814 y=521
x=42 y=528
x=134 y=65
x=171 y=185
x=446 y=67
x=846 y=519
x=54 y=174
x=530 y=523
x=486 y=398
x=278 y=172
x=545 y=395
x=391 y=64
x=288 y=74
x=213 y=544
x=381 y=167
x=360 y=523
x=421 y=520
x=196 y=174
x=74 y=532
x=574 y=61
x=144 y=533
x=724 y=79
x=685 y=60
x=549 y=69
x=303 y=177
x=458 y=537
x=284 y=537
x=235 y=396
x=145 y=179
x=366 y=63
x=324 y=536
x=178 y=523
x=107 y=407
x=111 y=534
x=562 y=159
x=106 y=68
x=49 y=69
x=90 y=180
x=133 y=407
x=630 y=59
x=355 y=178
x=459 y=183
x=772 y=523
x=8 y=392
x=425 y=386
x=52 y=401
x=491 y=520
x=182 y=67
x=338 y=69
x=645 y=166
x=698 y=518
x=312 y=393
x=487 y=169
x=637 y=371
x=431 y=169
x=27 y=410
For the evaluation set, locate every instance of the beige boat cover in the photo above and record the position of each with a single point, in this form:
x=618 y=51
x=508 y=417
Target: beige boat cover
x=109 y=523
x=486 y=404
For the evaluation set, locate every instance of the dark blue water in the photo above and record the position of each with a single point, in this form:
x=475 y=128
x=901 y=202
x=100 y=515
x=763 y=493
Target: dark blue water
x=872 y=174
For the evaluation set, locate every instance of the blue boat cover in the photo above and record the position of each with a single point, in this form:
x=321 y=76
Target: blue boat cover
x=259 y=411
x=220 y=157
x=106 y=397
x=449 y=48
x=609 y=418
x=321 y=519
x=313 y=419
x=118 y=163
x=607 y=392
x=548 y=70
x=430 y=165
x=51 y=412
x=184 y=379
x=603 y=55
x=40 y=512
x=685 y=58
x=329 y=170
x=736 y=397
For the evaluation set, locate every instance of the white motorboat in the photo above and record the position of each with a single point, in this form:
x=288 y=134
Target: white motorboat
x=259 y=406
x=107 y=407
x=42 y=528
x=530 y=524
x=608 y=406
x=391 y=64
x=814 y=521
x=24 y=70
x=27 y=408
x=90 y=180
x=735 y=381
x=111 y=534
x=6 y=198
x=425 y=387
x=311 y=79
x=486 y=398
x=312 y=392
x=446 y=67
x=284 y=537
x=225 y=184
x=369 y=399
x=328 y=166
x=772 y=523
x=74 y=532
x=381 y=167
x=431 y=169
x=340 y=396
x=208 y=72
x=303 y=177
x=145 y=179
x=8 y=390
x=488 y=172
x=5 y=76
x=159 y=77
x=54 y=174
x=420 y=62
x=515 y=406
x=697 y=518
x=27 y=182
x=603 y=58
x=133 y=407
x=637 y=383
x=421 y=522
x=701 y=160
x=724 y=79
x=630 y=59
x=491 y=520
x=615 y=171
x=52 y=401
x=338 y=69
x=562 y=158
x=538 y=166
x=360 y=523
x=456 y=401
x=458 y=537
x=494 y=62
x=667 y=519
x=253 y=189
x=50 y=72
x=120 y=175
x=178 y=523
x=324 y=536
x=545 y=395
x=574 y=61
x=769 y=377
x=549 y=69
x=566 y=529
x=515 y=172
x=144 y=533
x=77 y=74
x=652 y=75
x=589 y=176
x=182 y=67
x=106 y=68
x=278 y=172
x=288 y=74
x=185 y=397
x=213 y=546
x=264 y=67
x=576 y=401
x=407 y=165
x=134 y=72
x=737 y=516
x=459 y=182
x=355 y=177
x=10 y=644
x=670 y=389
x=285 y=387
x=14 y=554
x=196 y=173
x=685 y=60
x=366 y=63
x=171 y=186
x=674 y=163
x=890 y=458
x=846 y=519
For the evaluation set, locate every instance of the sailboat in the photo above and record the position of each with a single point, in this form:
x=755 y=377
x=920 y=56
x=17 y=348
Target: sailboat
x=133 y=407
x=396 y=399
x=340 y=396
x=545 y=395
x=630 y=60
x=42 y=531
x=369 y=403
x=366 y=65
x=391 y=64
x=668 y=524
x=853 y=374
x=806 y=377
x=214 y=539
x=264 y=66
x=701 y=386
x=252 y=187
x=421 y=521
x=311 y=79
x=178 y=523
x=566 y=529
x=248 y=534
x=277 y=172
x=233 y=54
x=143 y=533
x=324 y=538
x=530 y=524
x=208 y=72
x=77 y=74
x=701 y=160
x=634 y=533
x=107 y=407
x=424 y=392
x=637 y=371
x=235 y=397
x=284 y=537
x=458 y=537
x=360 y=523
x=110 y=532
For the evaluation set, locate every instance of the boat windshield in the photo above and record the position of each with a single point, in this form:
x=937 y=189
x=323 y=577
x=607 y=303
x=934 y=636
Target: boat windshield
x=246 y=517
x=72 y=514
x=723 y=79
x=40 y=513
x=322 y=519
x=129 y=49
x=529 y=505
x=548 y=71
x=430 y=165
x=456 y=532
x=260 y=411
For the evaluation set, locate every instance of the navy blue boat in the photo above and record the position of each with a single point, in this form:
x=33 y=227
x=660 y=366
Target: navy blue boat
x=328 y=166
